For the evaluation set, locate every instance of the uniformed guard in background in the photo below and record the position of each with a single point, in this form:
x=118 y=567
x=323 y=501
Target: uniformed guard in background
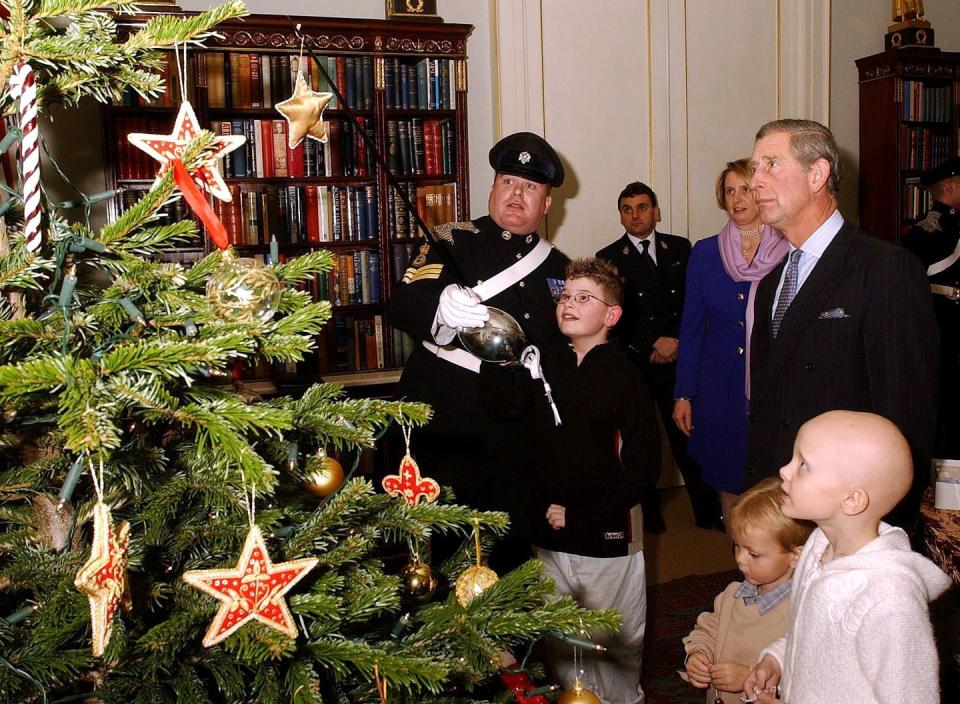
x=505 y=263
x=654 y=267
x=936 y=240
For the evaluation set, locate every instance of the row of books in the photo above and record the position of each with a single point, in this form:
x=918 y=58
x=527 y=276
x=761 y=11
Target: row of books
x=132 y=163
x=254 y=80
x=301 y=213
x=922 y=148
x=419 y=146
x=238 y=80
x=427 y=84
x=267 y=153
x=353 y=280
x=925 y=103
x=346 y=344
x=436 y=205
x=355 y=344
x=916 y=199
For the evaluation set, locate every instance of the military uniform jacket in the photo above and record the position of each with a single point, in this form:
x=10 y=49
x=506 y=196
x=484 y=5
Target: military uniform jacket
x=652 y=301
x=473 y=441
x=933 y=239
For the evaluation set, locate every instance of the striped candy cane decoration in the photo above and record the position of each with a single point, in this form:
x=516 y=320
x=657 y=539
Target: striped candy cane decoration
x=23 y=86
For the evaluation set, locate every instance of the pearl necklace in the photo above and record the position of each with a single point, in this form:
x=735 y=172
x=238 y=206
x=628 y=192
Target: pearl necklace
x=748 y=233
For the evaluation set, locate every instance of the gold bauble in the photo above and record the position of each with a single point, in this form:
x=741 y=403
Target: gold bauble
x=578 y=694
x=418 y=581
x=473 y=582
x=324 y=475
x=243 y=290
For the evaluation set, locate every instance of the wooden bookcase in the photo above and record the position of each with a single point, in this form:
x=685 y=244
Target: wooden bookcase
x=408 y=85
x=909 y=100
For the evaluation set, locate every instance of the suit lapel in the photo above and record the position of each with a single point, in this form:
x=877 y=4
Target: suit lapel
x=826 y=276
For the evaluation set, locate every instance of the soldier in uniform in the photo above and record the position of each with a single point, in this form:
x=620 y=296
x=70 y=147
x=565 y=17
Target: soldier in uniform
x=654 y=267
x=936 y=240
x=483 y=456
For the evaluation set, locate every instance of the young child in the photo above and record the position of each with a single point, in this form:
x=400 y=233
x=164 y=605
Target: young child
x=859 y=624
x=586 y=486
x=747 y=615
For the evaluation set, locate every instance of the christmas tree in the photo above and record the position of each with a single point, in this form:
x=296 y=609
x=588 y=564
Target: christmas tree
x=143 y=495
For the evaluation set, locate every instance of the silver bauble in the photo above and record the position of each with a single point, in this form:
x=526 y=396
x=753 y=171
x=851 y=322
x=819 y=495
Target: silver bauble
x=501 y=339
x=243 y=290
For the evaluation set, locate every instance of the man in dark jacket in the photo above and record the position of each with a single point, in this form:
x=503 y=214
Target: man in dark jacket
x=654 y=266
x=844 y=323
x=484 y=457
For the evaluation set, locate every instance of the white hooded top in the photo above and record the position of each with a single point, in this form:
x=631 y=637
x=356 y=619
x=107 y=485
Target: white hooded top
x=859 y=625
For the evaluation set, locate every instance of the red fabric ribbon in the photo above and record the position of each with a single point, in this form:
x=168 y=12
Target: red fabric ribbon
x=200 y=205
x=518 y=682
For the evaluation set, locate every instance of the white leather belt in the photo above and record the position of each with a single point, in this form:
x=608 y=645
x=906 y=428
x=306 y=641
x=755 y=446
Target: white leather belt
x=488 y=289
x=455 y=355
x=951 y=292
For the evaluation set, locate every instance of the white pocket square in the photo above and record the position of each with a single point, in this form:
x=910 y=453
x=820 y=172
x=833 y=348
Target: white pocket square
x=832 y=314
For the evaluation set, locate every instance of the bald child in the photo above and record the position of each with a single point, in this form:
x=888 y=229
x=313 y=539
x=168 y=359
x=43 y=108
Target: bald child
x=859 y=623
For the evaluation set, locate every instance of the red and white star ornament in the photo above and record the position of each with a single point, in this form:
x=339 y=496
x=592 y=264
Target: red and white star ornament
x=409 y=484
x=167 y=148
x=104 y=576
x=253 y=590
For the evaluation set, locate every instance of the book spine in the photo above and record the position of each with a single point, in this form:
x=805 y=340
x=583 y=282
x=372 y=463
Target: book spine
x=256 y=87
x=266 y=84
x=371 y=204
x=337 y=213
x=374 y=276
x=228 y=81
x=364 y=267
x=266 y=145
x=356 y=278
x=423 y=88
x=378 y=338
x=313 y=214
x=280 y=148
x=366 y=63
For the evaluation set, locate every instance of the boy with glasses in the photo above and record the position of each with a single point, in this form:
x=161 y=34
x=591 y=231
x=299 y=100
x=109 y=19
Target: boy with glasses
x=591 y=471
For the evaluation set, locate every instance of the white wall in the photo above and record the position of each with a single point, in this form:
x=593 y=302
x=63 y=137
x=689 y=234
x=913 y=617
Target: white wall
x=657 y=90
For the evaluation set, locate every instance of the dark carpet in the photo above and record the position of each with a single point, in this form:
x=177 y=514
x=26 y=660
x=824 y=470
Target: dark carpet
x=672 y=610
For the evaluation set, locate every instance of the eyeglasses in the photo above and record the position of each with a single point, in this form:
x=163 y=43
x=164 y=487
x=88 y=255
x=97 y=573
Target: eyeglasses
x=580 y=298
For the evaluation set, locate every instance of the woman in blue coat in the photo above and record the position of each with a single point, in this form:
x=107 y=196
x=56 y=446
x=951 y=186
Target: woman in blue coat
x=711 y=389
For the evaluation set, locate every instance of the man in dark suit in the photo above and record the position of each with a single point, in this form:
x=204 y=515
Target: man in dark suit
x=845 y=322
x=654 y=265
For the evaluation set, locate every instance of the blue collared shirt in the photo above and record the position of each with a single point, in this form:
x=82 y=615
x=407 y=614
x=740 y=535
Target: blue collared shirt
x=769 y=600
x=812 y=249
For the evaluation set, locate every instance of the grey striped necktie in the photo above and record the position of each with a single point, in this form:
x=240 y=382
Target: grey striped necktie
x=788 y=291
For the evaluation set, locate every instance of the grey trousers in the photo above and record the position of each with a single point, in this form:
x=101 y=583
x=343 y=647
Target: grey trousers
x=602 y=583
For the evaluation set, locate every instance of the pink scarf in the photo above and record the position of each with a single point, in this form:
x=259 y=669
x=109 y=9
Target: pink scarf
x=773 y=248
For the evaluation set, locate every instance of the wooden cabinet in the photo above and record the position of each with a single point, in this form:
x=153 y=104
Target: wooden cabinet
x=405 y=88
x=908 y=124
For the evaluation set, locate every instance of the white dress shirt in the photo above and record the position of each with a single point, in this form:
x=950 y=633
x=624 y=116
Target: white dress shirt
x=652 y=249
x=812 y=250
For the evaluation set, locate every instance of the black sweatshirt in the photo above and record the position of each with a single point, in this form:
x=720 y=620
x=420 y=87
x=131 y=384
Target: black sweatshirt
x=578 y=466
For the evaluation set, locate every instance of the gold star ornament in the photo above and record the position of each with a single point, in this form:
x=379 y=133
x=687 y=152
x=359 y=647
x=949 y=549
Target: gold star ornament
x=303 y=111
x=104 y=576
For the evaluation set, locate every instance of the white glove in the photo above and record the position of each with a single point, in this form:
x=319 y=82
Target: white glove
x=530 y=358
x=460 y=309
